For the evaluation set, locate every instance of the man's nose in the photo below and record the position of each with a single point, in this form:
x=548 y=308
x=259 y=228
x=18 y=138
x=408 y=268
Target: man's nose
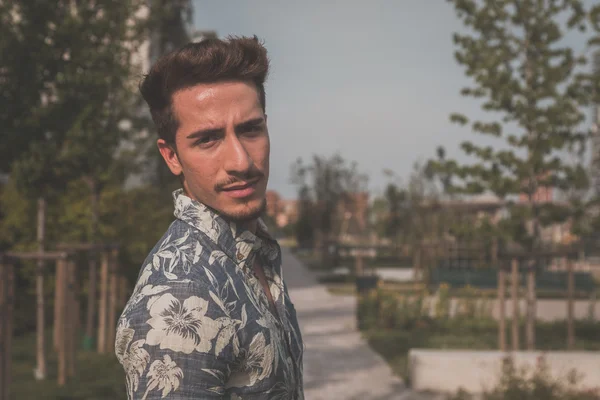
x=237 y=159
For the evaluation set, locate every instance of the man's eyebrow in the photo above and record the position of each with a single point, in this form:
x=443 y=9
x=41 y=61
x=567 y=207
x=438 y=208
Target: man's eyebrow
x=204 y=132
x=250 y=123
x=216 y=131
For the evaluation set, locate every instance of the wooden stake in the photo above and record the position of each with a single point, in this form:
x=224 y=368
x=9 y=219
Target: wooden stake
x=6 y=326
x=71 y=325
x=93 y=259
x=3 y=323
x=358 y=266
x=113 y=299
x=58 y=304
x=501 y=309
x=531 y=307
x=9 y=330
x=40 y=373
x=515 y=304
x=92 y=296
x=570 y=305
x=501 y=296
x=122 y=292
x=61 y=288
x=417 y=273
x=103 y=304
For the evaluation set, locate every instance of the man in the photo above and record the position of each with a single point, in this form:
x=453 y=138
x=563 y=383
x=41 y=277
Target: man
x=210 y=315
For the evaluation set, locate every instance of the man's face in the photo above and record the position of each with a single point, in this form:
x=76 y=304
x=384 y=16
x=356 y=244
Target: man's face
x=222 y=148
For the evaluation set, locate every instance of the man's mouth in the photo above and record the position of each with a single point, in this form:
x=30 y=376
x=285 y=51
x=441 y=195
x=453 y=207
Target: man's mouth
x=241 y=189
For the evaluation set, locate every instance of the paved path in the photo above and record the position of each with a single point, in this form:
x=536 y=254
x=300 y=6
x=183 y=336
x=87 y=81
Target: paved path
x=338 y=363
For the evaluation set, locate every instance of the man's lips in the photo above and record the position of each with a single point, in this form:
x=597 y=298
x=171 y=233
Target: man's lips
x=241 y=190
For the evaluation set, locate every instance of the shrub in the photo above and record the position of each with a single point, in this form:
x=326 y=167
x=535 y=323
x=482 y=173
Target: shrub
x=592 y=307
x=442 y=306
x=521 y=384
x=367 y=310
x=387 y=310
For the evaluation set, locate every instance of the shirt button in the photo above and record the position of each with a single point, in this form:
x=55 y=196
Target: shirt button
x=240 y=256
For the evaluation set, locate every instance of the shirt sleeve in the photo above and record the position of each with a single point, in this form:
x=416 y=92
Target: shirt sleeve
x=176 y=341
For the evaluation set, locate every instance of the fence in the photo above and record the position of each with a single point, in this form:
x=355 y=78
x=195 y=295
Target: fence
x=67 y=305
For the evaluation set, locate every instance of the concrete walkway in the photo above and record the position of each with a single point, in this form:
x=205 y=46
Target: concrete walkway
x=338 y=363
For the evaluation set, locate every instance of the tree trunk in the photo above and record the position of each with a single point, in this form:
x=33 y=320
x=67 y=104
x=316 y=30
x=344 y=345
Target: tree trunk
x=91 y=299
x=72 y=318
x=122 y=291
x=570 y=305
x=40 y=372
x=417 y=270
x=4 y=351
x=6 y=326
x=62 y=321
x=358 y=265
x=113 y=299
x=93 y=270
x=501 y=310
x=534 y=176
x=531 y=308
x=515 y=304
x=501 y=296
x=58 y=301
x=103 y=306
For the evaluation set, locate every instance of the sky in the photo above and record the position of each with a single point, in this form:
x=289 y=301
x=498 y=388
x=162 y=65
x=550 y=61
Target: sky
x=375 y=81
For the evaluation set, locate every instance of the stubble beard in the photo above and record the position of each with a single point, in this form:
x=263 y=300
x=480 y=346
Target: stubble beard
x=246 y=216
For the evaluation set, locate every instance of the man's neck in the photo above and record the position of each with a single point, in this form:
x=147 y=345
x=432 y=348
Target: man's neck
x=251 y=226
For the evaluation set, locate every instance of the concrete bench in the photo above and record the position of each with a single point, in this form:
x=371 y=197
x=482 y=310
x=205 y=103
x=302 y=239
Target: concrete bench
x=448 y=370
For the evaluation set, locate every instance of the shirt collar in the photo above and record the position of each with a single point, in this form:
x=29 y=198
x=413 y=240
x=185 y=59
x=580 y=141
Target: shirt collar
x=237 y=243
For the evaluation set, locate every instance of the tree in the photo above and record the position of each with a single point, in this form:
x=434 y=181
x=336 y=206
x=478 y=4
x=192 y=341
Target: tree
x=407 y=220
x=74 y=63
x=93 y=148
x=304 y=228
x=169 y=20
x=530 y=84
x=323 y=186
x=168 y=24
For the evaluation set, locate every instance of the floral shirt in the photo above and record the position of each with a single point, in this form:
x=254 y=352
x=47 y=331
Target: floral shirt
x=199 y=325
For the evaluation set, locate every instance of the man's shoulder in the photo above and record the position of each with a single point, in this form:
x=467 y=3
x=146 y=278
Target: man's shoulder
x=180 y=252
x=178 y=236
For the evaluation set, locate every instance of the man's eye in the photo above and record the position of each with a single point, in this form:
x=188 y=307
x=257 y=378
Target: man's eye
x=205 y=140
x=252 y=130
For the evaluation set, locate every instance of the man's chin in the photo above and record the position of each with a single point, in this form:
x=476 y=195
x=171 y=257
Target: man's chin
x=248 y=213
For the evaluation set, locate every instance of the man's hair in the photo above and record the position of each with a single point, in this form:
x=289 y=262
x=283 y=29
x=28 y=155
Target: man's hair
x=209 y=61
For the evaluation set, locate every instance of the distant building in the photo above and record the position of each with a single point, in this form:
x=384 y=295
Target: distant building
x=273 y=200
x=595 y=158
x=494 y=209
x=284 y=212
x=352 y=213
x=288 y=213
x=199 y=36
x=439 y=218
x=544 y=194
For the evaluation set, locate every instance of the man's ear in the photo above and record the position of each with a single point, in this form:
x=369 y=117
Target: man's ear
x=169 y=154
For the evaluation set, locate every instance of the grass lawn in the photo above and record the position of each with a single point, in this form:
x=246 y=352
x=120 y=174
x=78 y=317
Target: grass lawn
x=394 y=344
x=98 y=377
x=338 y=284
x=345 y=286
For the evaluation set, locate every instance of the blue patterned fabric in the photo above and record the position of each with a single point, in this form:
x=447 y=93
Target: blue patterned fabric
x=199 y=325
